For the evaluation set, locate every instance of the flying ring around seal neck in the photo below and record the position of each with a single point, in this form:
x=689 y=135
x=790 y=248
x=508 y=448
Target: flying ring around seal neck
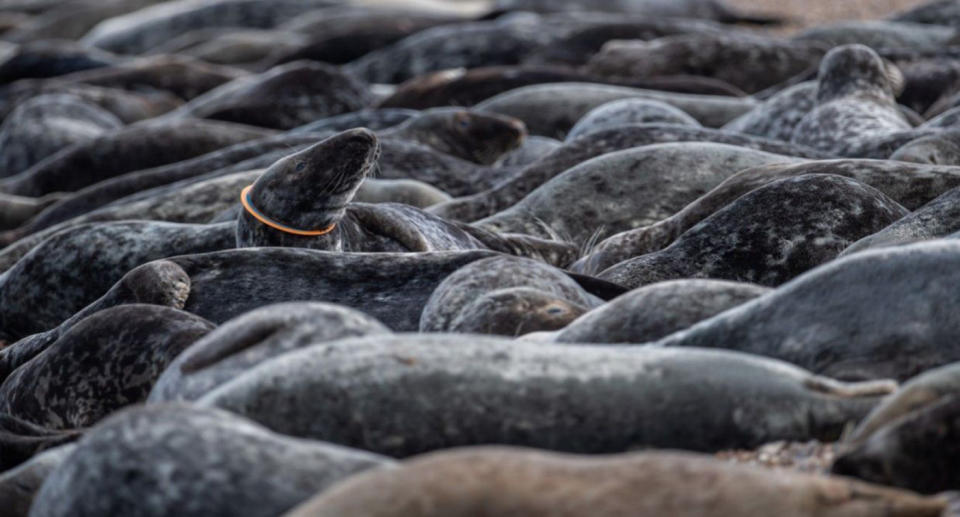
x=248 y=206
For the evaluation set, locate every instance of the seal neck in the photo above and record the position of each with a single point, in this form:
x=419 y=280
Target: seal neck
x=248 y=206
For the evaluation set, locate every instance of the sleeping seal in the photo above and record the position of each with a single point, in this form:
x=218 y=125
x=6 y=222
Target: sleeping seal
x=574 y=398
x=770 y=235
x=170 y=459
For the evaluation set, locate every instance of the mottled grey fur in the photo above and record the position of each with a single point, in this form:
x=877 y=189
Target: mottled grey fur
x=769 y=235
x=571 y=398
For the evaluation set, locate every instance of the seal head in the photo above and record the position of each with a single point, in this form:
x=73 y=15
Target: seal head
x=307 y=192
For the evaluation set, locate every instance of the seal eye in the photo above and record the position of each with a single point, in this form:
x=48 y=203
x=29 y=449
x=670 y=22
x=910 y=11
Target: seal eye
x=554 y=310
x=464 y=123
x=300 y=166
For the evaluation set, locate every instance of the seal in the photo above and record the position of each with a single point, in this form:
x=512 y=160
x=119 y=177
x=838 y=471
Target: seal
x=910 y=185
x=470 y=135
x=655 y=311
x=73 y=268
x=552 y=109
x=770 y=235
x=625 y=190
x=694 y=390
x=70 y=21
x=505 y=295
x=934 y=150
x=135 y=147
x=703 y=9
x=242 y=156
x=934 y=12
x=725 y=56
x=176 y=447
x=879 y=34
x=46 y=124
x=532 y=149
x=510 y=191
x=17 y=210
x=370 y=118
x=163 y=284
x=140 y=30
x=305 y=200
x=855 y=102
x=339 y=36
x=918 y=394
x=462 y=87
x=242 y=48
x=128 y=106
x=918 y=451
x=43 y=59
x=458 y=45
x=846 y=336
x=283 y=97
x=252 y=338
x=19 y=485
x=475 y=480
x=22 y=440
x=629 y=111
x=391 y=287
x=182 y=76
x=936 y=219
x=91 y=370
x=778 y=116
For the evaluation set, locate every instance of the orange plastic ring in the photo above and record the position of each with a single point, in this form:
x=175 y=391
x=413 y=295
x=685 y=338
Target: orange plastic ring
x=248 y=206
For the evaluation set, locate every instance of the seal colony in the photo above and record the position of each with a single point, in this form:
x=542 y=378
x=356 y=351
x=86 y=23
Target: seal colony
x=474 y=257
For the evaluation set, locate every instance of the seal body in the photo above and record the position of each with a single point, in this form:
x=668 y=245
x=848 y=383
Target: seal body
x=504 y=480
x=845 y=336
x=614 y=391
x=770 y=235
x=657 y=310
x=105 y=362
x=505 y=295
x=177 y=447
x=254 y=337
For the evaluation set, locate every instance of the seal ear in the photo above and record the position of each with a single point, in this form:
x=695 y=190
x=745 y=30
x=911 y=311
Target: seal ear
x=602 y=289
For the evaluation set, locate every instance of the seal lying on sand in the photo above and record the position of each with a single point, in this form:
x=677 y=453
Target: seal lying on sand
x=475 y=482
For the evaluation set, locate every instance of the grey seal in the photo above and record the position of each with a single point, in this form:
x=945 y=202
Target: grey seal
x=134 y=147
x=305 y=200
x=252 y=338
x=511 y=190
x=106 y=361
x=937 y=218
x=770 y=235
x=910 y=185
x=574 y=398
x=283 y=97
x=477 y=481
x=174 y=459
x=73 y=268
x=625 y=190
x=629 y=111
x=725 y=56
x=657 y=310
x=855 y=102
x=505 y=295
x=844 y=333
x=552 y=109
x=46 y=124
